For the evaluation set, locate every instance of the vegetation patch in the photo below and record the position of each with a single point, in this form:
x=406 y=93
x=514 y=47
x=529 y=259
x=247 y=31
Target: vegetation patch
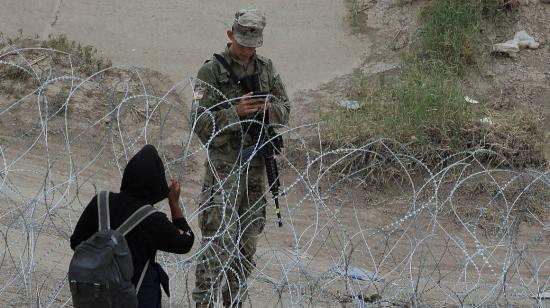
x=507 y=202
x=424 y=109
x=20 y=72
x=87 y=58
x=64 y=76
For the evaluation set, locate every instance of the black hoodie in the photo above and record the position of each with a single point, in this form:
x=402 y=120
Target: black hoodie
x=143 y=182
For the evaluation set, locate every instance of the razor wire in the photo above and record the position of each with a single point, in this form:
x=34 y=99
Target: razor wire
x=462 y=233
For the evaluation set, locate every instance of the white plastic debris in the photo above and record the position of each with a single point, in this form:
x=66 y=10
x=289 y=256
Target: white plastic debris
x=357 y=273
x=526 y=41
x=486 y=120
x=470 y=100
x=512 y=47
x=349 y=104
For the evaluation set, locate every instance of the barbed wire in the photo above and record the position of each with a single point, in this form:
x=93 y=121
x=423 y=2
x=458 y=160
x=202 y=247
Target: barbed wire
x=461 y=233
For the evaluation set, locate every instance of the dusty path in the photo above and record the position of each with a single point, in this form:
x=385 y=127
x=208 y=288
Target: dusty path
x=309 y=40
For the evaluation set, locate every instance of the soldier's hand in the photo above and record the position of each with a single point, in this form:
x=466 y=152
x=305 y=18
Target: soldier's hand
x=248 y=106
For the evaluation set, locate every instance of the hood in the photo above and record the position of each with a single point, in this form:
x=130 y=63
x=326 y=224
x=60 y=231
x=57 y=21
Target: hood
x=144 y=176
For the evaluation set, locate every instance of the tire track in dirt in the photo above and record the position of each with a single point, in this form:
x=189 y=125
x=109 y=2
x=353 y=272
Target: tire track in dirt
x=55 y=16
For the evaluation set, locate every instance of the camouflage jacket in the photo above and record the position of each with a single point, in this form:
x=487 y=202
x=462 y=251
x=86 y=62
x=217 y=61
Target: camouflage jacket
x=216 y=97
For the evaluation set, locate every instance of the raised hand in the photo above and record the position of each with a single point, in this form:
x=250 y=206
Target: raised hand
x=248 y=106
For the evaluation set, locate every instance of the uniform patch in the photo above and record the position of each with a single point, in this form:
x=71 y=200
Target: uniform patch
x=198 y=93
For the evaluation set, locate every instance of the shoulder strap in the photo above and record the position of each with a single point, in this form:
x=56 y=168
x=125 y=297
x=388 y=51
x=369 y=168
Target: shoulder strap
x=137 y=217
x=226 y=65
x=129 y=224
x=143 y=271
x=103 y=211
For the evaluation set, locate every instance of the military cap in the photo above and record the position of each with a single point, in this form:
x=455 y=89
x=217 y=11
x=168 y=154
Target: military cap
x=248 y=27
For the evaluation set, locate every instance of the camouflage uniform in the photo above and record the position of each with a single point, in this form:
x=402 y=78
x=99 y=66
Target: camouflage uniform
x=232 y=203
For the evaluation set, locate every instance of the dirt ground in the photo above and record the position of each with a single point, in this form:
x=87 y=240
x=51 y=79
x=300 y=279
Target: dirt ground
x=309 y=41
x=413 y=233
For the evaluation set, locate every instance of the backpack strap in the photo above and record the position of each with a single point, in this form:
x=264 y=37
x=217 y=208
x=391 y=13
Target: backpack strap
x=129 y=224
x=137 y=217
x=227 y=67
x=103 y=211
x=143 y=271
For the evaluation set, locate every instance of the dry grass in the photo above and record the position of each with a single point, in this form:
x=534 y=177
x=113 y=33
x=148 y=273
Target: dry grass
x=86 y=57
x=24 y=74
x=28 y=70
x=485 y=203
x=516 y=138
x=424 y=109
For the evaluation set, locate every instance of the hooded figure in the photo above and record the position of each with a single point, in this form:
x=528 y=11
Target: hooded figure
x=144 y=176
x=143 y=182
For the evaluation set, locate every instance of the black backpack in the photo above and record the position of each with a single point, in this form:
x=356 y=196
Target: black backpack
x=101 y=269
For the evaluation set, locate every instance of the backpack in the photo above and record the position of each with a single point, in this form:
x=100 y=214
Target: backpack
x=101 y=268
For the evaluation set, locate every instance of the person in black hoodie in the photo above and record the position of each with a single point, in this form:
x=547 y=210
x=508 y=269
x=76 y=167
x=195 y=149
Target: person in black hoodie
x=143 y=182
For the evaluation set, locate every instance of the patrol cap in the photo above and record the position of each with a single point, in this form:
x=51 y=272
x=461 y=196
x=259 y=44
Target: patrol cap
x=248 y=27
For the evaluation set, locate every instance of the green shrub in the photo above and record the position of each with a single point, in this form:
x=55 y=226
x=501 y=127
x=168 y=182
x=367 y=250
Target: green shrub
x=424 y=108
x=450 y=30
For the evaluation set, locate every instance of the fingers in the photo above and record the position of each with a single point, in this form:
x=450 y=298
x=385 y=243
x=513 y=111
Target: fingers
x=253 y=108
x=174 y=185
x=248 y=106
x=253 y=103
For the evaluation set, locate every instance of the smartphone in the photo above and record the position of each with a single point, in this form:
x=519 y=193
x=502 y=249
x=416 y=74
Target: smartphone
x=260 y=93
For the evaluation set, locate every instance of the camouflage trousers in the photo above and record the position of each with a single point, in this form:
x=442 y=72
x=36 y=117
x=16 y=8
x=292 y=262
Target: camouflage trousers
x=232 y=216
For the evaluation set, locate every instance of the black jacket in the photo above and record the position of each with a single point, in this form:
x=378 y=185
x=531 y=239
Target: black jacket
x=143 y=182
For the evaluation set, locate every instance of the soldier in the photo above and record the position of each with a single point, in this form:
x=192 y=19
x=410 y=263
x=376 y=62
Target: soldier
x=232 y=202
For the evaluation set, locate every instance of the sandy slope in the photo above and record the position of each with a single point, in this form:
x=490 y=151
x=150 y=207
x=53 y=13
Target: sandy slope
x=308 y=39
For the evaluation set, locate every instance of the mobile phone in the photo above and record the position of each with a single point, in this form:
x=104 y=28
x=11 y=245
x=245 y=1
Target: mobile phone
x=260 y=93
